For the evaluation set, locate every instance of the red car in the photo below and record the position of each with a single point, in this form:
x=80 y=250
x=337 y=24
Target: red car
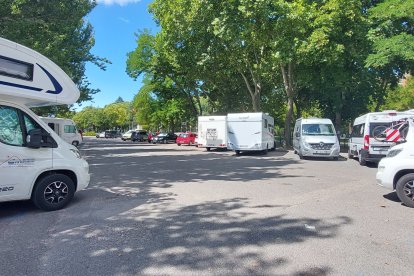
x=187 y=139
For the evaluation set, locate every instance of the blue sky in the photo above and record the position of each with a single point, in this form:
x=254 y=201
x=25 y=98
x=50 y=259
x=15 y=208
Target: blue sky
x=114 y=23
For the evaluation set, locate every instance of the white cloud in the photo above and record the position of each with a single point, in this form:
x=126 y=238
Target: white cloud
x=118 y=2
x=123 y=19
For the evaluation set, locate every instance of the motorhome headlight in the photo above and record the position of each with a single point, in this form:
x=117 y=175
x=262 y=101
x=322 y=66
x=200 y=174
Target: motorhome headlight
x=76 y=153
x=393 y=153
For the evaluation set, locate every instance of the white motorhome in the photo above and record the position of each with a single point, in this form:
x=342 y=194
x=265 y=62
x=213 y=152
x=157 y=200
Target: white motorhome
x=35 y=163
x=250 y=132
x=362 y=144
x=66 y=129
x=315 y=137
x=212 y=132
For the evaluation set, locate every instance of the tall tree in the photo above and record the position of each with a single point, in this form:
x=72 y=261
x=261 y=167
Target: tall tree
x=392 y=37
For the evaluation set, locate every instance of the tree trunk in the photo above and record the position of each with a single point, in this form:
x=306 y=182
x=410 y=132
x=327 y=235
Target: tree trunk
x=254 y=92
x=298 y=109
x=380 y=99
x=287 y=74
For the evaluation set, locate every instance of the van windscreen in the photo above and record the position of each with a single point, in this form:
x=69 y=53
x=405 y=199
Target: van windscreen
x=318 y=129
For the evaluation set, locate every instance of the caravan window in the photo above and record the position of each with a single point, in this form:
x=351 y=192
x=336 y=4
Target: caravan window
x=69 y=129
x=16 y=68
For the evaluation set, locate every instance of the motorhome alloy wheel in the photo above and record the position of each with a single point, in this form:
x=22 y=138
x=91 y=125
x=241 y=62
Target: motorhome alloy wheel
x=53 y=192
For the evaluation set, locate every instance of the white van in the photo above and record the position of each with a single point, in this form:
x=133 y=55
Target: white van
x=315 y=137
x=212 y=132
x=66 y=129
x=362 y=144
x=35 y=163
x=250 y=132
x=396 y=170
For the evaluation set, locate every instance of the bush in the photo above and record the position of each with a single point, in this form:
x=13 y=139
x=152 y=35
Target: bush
x=89 y=133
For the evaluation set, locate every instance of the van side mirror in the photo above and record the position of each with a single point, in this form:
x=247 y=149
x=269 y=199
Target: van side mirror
x=34 y=138
x=297 y=134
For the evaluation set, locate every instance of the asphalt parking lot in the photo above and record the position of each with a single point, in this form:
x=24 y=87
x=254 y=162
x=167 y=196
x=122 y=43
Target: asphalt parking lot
x=169 y=210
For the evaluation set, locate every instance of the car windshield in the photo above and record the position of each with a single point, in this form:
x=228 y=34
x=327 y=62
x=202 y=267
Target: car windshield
x=162 y=134
x=184 y=135
x=318 y=130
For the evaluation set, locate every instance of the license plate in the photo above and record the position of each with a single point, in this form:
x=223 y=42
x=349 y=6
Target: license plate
x=322 y=152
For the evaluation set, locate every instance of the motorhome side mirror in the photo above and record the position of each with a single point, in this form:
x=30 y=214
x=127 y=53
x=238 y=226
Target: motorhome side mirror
x=297 y=134
x=34 y=138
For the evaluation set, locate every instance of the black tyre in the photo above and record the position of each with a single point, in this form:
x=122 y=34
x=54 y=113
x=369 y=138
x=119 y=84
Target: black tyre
x=208 y=149
x=75 y=143
x=237 y=152
x=190 y=144
x=266 y=150
x=361 y=160
x=350 y=155
x=53 y=192
x=178 y=144
x=165 y=141
x=405 y=189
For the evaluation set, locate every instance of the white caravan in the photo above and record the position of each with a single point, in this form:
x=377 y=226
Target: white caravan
x=65 y=128
x=212 y=132
x=35 y=163
x=315 y=137
x=362 y=144
x=250 y=132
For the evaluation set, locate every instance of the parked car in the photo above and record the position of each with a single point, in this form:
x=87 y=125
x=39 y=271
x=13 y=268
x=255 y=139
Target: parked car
x=395 y=171
x=127 y=135
x=164 y=138
x=139 y=135
x=112 y=134
x=186 y=139
x=100 y=135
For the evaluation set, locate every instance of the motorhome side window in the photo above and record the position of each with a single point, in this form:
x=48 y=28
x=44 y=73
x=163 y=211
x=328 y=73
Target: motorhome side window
x=265 y=123
x=10 y=127
x=69 y=129
x=16 y=68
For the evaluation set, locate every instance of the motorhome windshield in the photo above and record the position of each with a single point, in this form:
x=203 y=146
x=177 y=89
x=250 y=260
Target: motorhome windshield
x=318 y=129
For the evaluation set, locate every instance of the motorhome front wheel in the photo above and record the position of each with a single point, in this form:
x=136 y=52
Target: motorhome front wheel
x=53 y=192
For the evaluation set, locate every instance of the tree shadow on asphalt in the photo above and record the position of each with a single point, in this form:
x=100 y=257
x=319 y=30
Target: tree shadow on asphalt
x=216 y=237
x=123 y=224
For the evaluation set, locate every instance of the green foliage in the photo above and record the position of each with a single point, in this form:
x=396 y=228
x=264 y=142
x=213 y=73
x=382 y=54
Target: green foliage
x=112 y=116
x=288 y=58
x=402 y=97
